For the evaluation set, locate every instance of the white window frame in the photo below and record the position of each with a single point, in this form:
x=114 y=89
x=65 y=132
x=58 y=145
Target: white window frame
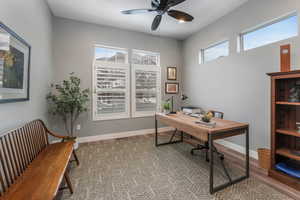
x=202 y=51
x=240 y=47
x=126 y=67
x=157 y=68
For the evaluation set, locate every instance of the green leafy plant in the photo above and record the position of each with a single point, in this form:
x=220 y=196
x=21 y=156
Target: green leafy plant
x=68 y=101
x=167 y=106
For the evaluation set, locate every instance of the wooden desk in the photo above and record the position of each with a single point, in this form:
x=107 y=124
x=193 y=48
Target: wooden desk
x=223 y=129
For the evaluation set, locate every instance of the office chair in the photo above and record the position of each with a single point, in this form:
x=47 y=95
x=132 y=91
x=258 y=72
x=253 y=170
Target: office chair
x=205 y=146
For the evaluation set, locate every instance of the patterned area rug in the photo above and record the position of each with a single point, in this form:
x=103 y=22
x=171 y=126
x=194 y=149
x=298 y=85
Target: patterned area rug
x=134 y=169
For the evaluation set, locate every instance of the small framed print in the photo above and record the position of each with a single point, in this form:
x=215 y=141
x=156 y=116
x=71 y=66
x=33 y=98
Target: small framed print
x=14 y=66
x=172 y=73
x=172 y=88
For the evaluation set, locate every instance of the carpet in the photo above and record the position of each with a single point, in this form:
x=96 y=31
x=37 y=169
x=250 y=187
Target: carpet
x=134 y=169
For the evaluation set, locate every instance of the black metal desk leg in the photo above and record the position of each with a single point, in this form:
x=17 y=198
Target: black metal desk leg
x=211 y=164
x=156 y=139
x=247 y=153
x=213 y=189
x=171 y=139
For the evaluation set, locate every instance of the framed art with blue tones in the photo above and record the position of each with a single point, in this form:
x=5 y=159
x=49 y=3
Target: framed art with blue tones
x=14 y=66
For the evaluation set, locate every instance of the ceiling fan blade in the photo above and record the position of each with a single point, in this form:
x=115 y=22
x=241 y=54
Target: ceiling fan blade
x=179 y=15
x=155 y=3
x=156 y=22
x=172 y=3
x=136 y=11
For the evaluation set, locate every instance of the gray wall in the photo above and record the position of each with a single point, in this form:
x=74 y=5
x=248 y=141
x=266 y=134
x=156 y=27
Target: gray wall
x=74 y=50
x=32 y=21
x=238 y=84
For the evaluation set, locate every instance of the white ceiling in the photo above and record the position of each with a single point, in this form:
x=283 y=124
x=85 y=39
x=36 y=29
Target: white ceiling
x=107 y=12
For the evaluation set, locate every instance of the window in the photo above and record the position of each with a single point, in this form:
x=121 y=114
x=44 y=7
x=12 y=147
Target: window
x=111 y=55
x=111 y=83
x=146 y=81
x=214 y=52
x=140 y=57
x=275 y=31
x=1 y=71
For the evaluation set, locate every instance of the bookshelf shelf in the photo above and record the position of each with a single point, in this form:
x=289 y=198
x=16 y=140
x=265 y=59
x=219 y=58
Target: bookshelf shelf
x=288 y=103
x=290 y=132
x=287 y=153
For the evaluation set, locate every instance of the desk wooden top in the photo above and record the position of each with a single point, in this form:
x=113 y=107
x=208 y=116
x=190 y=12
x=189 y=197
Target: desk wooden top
x=188 y=124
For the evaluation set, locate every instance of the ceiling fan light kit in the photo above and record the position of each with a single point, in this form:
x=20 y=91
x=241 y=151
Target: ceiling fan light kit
x=161 y=7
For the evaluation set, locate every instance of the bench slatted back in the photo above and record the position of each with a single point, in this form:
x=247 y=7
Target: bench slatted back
x=18 y=148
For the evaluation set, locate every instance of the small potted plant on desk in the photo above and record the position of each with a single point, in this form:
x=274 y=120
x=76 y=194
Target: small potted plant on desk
x=68 y=101
x=166 y=107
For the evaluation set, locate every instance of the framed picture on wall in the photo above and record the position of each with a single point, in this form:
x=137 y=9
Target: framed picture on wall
x=172 y=88
x=14 y=66
x=172 y=73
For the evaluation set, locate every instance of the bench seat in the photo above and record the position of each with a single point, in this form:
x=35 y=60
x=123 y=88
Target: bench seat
x=41 y=179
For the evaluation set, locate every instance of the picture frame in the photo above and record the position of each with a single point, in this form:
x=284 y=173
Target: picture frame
x=172 y=88
x=15 y=55
x=172 y=73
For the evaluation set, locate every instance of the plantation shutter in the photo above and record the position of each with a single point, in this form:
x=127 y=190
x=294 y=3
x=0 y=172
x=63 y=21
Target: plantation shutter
x=111 y=86
x=146 y=81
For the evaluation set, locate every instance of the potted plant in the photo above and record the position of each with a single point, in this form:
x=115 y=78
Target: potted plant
x=68 y=101
x=166 y=107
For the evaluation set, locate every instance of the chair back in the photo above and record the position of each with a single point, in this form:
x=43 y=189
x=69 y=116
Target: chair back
x=217 y=114
x=18 y=148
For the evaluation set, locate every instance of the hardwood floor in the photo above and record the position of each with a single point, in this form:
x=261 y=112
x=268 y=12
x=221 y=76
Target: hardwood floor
x=257 y=172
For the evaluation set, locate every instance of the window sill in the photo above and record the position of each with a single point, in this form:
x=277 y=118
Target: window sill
x=110 y=118
x=143 y=115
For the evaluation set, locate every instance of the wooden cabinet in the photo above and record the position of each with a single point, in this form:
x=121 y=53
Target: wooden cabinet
x=285 y=113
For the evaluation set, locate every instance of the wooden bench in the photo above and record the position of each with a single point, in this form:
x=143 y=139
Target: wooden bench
x=30 y=167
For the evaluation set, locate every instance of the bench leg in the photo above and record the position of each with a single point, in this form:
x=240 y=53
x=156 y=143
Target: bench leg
x=67 y=178
x=76 y=158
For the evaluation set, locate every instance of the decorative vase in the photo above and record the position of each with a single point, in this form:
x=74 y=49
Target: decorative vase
x=166 y=112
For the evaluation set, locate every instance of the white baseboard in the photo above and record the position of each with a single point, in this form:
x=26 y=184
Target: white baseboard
x=110 y=136
x=121 y=135
x=238 y=148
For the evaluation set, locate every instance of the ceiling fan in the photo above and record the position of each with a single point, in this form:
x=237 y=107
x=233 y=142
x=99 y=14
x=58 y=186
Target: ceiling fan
x=161 y=7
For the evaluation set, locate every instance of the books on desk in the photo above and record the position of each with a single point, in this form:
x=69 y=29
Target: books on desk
x=210 y=124
x=189 y=110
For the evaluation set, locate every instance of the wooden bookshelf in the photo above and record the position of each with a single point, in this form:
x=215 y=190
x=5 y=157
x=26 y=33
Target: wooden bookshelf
x=285 y=139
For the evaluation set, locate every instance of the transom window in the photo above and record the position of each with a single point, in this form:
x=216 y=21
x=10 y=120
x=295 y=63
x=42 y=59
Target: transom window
x=275 y=31
x=214 y=52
